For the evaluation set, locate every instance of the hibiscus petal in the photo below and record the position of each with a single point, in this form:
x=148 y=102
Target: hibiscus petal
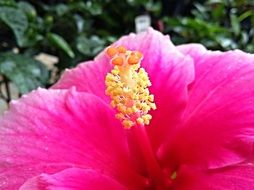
x=87 y=77
x=237 y=177
x=170 y=73
x=196 y=51
x=73 y=179
x=48 y=131
x=218 y=126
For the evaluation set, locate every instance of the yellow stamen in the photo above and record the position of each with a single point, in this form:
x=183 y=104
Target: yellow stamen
x=127 y=85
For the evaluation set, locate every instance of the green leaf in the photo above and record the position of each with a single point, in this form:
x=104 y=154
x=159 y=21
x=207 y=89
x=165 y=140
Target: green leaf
x=61 y=9
x=235 y=24
x=16 y=20
x=214 y=1
x=59 y=42
x=245 y=15
x=79 y=20
x=94 y=8
x=7 y=3
x=23 y=71
x=90 y=46
x=28 y=9
x=226 y=43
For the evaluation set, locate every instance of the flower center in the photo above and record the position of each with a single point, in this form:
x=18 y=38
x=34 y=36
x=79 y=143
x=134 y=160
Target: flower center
x=127 y=85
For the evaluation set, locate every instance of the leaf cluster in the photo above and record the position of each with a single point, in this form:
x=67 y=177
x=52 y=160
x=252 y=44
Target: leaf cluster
x=218 y=24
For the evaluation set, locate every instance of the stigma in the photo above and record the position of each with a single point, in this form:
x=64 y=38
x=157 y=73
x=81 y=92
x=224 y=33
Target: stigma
x=127 y=85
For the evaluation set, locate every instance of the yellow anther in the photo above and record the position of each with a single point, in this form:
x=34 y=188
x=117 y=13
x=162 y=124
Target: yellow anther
x=151 y=98
x=121 y=108
x=140 y=121
x=153 y=106
x=127 y=86
x=127 y=124
x=129 y=111
x=115 y=71
x=138 y=105
x=145 y=108
x=119 y=116
x=147 y=118
x=134 y=109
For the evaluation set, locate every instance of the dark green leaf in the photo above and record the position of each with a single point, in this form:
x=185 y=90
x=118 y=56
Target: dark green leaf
x=25 y=72
x=214 y=1
x=59 y=42
x=7 y=3
x=61 y=9
x=90 y=46
x=245 y=15
x=235 y=24
x=94 y=8
x=226 y=43
x=16 y=20
x=28 y=9
x=79 y=22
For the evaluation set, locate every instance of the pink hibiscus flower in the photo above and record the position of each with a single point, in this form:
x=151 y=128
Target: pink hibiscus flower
x=200 y=136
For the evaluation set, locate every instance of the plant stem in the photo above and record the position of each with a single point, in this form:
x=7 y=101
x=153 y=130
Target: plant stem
x=7 y=89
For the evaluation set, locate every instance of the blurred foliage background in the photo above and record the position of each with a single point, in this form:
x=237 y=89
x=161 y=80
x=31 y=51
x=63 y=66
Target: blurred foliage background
x=40 y=38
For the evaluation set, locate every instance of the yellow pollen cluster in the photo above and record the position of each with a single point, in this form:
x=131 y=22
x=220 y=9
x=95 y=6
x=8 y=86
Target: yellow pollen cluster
x=127 y=85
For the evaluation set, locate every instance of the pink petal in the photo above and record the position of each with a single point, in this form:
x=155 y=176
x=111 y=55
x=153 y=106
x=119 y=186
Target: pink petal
x=196 y=51
x=218 y=126
x=239 y=177
x=169 y=70
x=73 y=179
x=87 y=77
x=48 y=131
